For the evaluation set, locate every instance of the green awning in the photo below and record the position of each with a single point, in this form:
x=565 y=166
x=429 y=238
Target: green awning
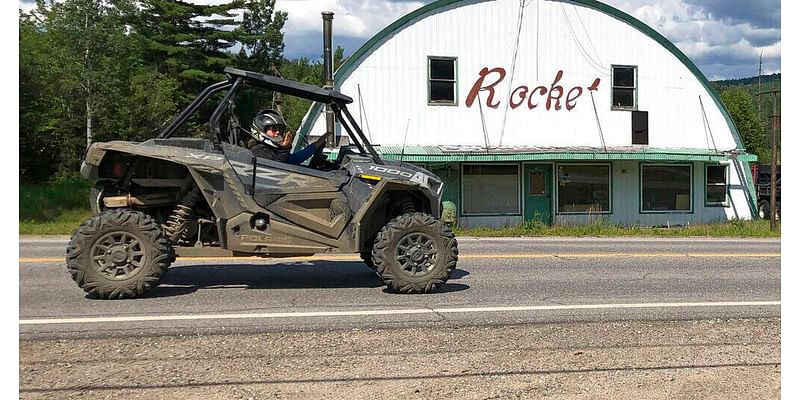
x=476 y=154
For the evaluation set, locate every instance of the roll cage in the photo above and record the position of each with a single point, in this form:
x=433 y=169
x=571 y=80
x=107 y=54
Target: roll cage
x=237 y=78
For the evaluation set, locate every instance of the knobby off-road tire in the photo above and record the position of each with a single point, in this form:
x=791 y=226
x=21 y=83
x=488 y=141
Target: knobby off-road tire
x=415 y=253
x=118 y=254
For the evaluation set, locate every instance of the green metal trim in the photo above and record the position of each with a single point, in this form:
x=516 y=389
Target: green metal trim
x=748 y=177
x=344 y=71
x=414 y=155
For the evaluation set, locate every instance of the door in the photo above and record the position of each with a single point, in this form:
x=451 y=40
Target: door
x=538 y=190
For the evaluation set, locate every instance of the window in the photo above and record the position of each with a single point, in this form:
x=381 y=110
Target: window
x=584 y=188
x=537 y=185
x=716 y=185
x=666 y=188
x=490 y=189
x=623 y=88
x=442 y=81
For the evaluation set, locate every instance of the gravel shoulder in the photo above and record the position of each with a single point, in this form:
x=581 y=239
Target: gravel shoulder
x=702 y=359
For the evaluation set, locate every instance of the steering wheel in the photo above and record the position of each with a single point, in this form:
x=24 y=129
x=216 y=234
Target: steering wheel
x=319 y=158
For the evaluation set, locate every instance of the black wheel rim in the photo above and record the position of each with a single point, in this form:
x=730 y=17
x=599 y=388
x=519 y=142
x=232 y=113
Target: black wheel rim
x=118 y=255
x=416 y=253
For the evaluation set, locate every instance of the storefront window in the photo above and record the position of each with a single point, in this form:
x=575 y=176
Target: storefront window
x=666 y=188
x=584 y=188
x=490 y=189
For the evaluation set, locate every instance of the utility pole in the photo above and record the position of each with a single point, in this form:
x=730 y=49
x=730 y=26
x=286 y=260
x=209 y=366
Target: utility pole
x=774 y=123
x=760 y=62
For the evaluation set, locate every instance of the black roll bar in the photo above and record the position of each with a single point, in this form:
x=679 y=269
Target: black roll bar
x=213 y=122
x=339 y=109
x=349 y=130
x=192 y=108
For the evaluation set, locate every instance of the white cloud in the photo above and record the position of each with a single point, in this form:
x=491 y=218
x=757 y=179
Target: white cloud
x=721 y=41
x=721 y=44
x=361 y=19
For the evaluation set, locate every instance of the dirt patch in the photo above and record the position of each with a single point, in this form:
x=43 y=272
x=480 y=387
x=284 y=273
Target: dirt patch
x=707 y=359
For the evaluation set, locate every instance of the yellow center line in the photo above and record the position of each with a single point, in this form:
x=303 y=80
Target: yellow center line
x=460 y=257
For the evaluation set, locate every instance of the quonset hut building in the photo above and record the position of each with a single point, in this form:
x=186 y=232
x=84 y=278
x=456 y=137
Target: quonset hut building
x=558 y=111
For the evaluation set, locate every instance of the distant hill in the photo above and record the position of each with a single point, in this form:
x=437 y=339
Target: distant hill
x=767 y=81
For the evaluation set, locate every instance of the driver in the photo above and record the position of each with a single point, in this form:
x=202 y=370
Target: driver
x=270 y=139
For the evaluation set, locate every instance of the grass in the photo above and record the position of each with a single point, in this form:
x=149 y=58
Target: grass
x=733 y=228
x=57 y=208
x=54 y=208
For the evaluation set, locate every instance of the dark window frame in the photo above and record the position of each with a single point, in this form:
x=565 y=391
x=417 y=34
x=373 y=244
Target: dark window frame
x=454 y=81
x=634 y=88
x=726 y=184
x=641 y=189
x=557 y=186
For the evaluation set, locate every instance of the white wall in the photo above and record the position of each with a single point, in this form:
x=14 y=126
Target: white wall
x=393 y=80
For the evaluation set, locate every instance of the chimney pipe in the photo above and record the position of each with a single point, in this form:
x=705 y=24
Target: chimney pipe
x=327 y=56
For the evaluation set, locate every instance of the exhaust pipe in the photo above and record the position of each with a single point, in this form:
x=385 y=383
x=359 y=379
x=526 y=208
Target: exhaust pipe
x=143 y=200
x=327 y=59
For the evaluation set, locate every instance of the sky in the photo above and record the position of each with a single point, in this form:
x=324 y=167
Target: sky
x=724 y=38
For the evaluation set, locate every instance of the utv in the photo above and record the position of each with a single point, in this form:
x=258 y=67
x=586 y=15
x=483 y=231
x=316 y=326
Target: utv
x=176 y=196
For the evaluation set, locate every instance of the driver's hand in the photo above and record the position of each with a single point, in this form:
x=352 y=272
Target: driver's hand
x=323 y=139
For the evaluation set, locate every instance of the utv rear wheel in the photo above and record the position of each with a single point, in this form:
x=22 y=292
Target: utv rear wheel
x=118 y=254
x=415 y=253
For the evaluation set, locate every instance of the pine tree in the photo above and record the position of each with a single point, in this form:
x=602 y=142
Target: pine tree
x=261 y=35
x=186 y=40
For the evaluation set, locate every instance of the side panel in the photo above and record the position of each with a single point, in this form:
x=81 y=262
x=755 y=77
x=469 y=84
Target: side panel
x=303 y=209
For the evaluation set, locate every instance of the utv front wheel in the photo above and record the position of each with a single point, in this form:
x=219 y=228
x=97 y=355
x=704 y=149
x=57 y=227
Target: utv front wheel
x=118 y=254
x=415 y=253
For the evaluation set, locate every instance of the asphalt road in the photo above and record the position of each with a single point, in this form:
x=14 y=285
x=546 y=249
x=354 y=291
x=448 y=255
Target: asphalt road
x=498 y=281
x=520 y=318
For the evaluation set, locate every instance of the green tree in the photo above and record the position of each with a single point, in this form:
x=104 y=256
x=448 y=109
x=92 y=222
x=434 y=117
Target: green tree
x=39 y=106
x=76 y=57
x=743 y=111
x=148 y=103
x=261 y=35
x=186 y=40
x=306 y=71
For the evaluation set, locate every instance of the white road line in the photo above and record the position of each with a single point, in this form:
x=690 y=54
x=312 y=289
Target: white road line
x=362 y=313
x=692 y=239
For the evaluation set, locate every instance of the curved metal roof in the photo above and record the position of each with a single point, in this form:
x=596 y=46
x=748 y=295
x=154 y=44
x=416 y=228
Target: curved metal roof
x=350 y=64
